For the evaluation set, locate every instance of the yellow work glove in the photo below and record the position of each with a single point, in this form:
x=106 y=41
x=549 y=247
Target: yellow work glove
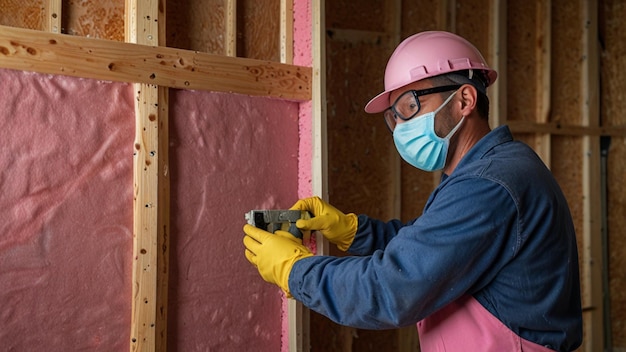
x=336 y=226
x=273 y=254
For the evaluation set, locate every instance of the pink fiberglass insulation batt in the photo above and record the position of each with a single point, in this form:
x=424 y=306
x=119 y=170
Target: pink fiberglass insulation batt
x=303 y=56
x=66 y=210
x=66 y=213
x=228 y=154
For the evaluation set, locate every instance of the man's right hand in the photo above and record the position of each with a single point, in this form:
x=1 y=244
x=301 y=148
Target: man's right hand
x=336 y=226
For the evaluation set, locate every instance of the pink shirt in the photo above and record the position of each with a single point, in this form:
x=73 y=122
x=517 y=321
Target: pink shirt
x=466 y=326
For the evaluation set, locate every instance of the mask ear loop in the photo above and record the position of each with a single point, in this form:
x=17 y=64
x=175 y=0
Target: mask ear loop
x=445 y=102
x=456 y=128
x=458 y=125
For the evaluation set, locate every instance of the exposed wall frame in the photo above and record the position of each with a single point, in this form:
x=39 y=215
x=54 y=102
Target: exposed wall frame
x=318 y=98
x=231 y=28
x=592 y=225
x=53 y=16
x=497 y=59
x=298 y=315
x=152 y=67
x=286 y=31
x=550 y=53
x=588 y=131
x=543 y=78
x=145 y=24
x=30 y=50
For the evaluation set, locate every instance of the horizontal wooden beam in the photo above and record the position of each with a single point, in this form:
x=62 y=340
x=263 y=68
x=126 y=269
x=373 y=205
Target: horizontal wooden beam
x=30 y=50
x=556 y=128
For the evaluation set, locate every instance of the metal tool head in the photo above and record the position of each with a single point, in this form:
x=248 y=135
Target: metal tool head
x=274 y=220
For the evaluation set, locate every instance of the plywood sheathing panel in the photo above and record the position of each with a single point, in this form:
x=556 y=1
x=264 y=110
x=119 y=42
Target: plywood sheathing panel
x=567 y=62
x=568 y=107
x=28 y=14
x=522 y=72
x=521 y=68
x=360 y=144
x=258 y=29
x=368 y=15
x=94 y=18
x=197 y=25
x=201 y=26
x=375 y=340
x=613 y=102
x=568 y=172
x=421 y=15
x=612 y=28
x=617 y=238
x=472 y=22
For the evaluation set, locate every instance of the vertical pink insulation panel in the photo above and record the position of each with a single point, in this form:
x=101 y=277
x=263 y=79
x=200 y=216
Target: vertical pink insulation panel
x=303 y=56
x=228 y=154
x=66 y=213
x=66 y=210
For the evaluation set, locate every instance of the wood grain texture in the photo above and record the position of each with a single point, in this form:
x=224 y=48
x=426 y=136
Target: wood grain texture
x=613 y=104
x=28 y=14
x=93 y=19
x=29 y=50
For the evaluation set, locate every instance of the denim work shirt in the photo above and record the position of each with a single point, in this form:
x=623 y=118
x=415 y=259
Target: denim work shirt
x=498 y=229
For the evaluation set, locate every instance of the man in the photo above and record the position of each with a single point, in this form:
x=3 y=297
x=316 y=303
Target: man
x=490 y=265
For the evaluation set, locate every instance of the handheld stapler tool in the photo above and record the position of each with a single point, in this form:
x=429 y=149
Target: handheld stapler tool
x=273 y=220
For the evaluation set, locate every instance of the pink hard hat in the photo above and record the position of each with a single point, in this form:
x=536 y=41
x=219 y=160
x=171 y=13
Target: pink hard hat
x=428 y=54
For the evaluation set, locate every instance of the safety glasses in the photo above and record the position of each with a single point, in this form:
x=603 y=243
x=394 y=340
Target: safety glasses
x=408 y=105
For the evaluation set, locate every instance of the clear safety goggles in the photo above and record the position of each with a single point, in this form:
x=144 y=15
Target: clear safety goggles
x=408 y=105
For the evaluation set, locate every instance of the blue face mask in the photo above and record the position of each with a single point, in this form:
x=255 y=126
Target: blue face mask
x=418 y=144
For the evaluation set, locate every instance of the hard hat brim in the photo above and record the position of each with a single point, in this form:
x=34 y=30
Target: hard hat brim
x=379 y=103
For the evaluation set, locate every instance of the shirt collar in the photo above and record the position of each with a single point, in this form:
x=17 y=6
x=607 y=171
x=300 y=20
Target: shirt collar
x=497 y=136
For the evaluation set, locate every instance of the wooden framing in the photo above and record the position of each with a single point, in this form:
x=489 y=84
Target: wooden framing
x=153 y=68
x=53 y=16
x=145 y=22
x=557 y=128
x=286 y=31
x=591 y=247
x=231 y=28
x=298 y=315
x=589 y=130
x=30 y=50
x=497 y=58
x=318 y=100
x=542 y=77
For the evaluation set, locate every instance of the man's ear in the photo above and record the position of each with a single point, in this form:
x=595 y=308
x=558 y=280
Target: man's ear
x=469 y=99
